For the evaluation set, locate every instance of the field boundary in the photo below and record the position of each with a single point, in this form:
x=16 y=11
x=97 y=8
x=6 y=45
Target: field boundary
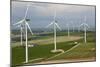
x=34 y=60
x=68 y=61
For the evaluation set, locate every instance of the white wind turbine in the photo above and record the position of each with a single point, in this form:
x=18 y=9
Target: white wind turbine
x=21 y=32
x=67 y=25
x=85 y=26
x=24 y=22
x=55 y=25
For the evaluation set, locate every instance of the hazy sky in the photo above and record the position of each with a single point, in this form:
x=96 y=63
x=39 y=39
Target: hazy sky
x=41 y=14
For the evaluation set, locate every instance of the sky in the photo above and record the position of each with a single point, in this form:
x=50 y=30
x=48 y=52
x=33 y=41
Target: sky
x=41 y=14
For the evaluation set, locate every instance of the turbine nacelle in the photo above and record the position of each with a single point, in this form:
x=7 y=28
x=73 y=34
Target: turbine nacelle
x=54 y=23
x=27 y=19
x=24 y=22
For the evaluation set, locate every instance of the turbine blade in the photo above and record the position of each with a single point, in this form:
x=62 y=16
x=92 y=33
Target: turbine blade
x=81 y=24
x=87 y=25
x=36 y=5
x=58 y=26
x=21 y=21
x=29 y=28
x=49 y=24
x=84 y=24
x=26 y=11
x=18 y=26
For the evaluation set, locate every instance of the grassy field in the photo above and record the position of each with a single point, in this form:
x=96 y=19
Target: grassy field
x=45 y=45
x=41 y=51
x=82 y=51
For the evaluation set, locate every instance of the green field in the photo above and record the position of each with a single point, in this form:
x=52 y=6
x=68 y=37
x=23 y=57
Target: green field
x=45 y=45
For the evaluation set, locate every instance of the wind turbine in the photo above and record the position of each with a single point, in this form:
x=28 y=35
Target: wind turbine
x=85 y=26
x=55 y=25
x=67 y=25
x=25 y=23
x=21 y=32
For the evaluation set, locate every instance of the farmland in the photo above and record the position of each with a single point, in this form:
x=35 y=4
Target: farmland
x=45 y=45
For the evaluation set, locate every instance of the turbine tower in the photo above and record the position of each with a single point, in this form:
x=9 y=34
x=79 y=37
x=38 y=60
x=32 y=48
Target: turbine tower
x=21 y=33
x=24 y=22
x=85 y=26
x=55 y=25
